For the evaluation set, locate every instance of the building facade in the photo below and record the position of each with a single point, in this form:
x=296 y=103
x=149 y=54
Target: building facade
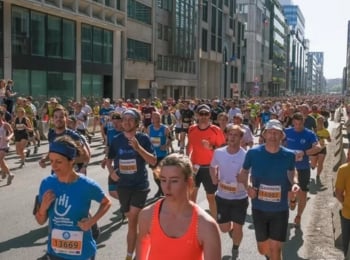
x=297 y=48
x=63 y=48
x=176 y=49
x=315 y=83
x=258 y=63
x=278 y=51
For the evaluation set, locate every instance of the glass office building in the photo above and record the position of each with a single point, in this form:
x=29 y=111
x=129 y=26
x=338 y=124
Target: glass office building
x=69 y=55
x=1 y=42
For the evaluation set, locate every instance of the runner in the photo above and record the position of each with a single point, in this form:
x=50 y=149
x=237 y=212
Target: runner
x=187 y=119
x=342 y=193
x=175 y=228
x=159 y=135
x=21 y=126
x=203 y=139
x=64 y=200
x=304 y=142
x=6 y=133
x=323 y=136
x=231 y=197
x=272 y=169
x=130 y=152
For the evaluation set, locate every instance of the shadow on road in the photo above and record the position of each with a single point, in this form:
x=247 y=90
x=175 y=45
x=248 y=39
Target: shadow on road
x=26 y=240
x=316 y=186
x=291 y=247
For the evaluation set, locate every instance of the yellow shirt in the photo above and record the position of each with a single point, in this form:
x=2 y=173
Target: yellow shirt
x=343 y=183
x=323 y=135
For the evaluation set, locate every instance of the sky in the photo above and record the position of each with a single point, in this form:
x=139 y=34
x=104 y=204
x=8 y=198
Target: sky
x=326 y=27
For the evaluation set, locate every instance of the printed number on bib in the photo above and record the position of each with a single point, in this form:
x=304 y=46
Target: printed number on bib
x=67 y=242
x=228 y=187
x=127 y=166
x=155 y=141
x=269 y=193
x=185 y=125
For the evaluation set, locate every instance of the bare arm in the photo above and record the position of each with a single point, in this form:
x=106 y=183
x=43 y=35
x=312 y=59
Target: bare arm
x=41 y=215
x=316 y=147
x=339 y=194
x=142 y=243
x=209 y=237
x=86 y=224
x=243 y=177
x=214 y=175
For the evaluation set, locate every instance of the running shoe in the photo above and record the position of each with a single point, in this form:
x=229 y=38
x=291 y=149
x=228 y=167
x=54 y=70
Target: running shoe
x=10 y=178
x=235 y=253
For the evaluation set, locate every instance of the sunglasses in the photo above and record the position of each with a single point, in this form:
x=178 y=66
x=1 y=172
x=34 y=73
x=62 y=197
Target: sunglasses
x=203 y=113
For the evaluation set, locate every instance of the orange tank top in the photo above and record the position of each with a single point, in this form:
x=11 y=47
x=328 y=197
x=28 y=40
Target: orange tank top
x=164 y=247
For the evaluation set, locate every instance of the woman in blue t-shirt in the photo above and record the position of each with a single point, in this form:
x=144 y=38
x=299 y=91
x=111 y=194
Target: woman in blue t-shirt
x=65 y=199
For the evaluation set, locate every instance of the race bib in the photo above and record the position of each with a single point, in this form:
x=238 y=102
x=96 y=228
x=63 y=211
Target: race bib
x=228 y=187
x=185 y=125
x=127 y=166
x=147 y=116
x=269 y=193
x=67 y=242
x=155 y=141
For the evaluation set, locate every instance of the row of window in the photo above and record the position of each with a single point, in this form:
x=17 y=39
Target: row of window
x=97 y=44
x=140 y=12
x=1 y=42
x=138 y=50
x=175 y=64
x=39 y=34
x=185 y=44
x=163 y=32
x=43 y=84
x=165 y=4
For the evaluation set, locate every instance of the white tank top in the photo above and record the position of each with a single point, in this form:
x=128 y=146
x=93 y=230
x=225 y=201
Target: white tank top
x=3 y=135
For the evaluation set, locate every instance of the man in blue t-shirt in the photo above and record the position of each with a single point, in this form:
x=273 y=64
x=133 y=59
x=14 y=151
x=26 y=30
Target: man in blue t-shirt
x=272 y=177
x=304 y=143
x=128 y=155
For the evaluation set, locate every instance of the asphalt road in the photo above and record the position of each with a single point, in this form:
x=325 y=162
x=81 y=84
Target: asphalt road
x=22 y=238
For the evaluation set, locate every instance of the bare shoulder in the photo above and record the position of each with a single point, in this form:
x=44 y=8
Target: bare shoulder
x=146 y=213
x=206 y=224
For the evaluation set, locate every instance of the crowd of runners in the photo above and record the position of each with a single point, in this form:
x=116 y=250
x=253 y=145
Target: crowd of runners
x=187 y=143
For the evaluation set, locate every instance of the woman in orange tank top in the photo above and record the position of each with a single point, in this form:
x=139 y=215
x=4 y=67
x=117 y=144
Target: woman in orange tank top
x=174 y=227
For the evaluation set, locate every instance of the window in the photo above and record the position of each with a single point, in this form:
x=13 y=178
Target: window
x=54 y=36
x=204 y=40
x=107 y=47
x=92 y=85
x=167 y=33
x=97 y=45
x=37 y=25
x=138 y=50
x=21 y=79
x=159 y=62
x=213 y=42
x=205 y=11
x=160 y=31
x=86 y=41
x=139 y=12
x=68 y=43
x=39 y=82
x=1 y=28
x=20 y=31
